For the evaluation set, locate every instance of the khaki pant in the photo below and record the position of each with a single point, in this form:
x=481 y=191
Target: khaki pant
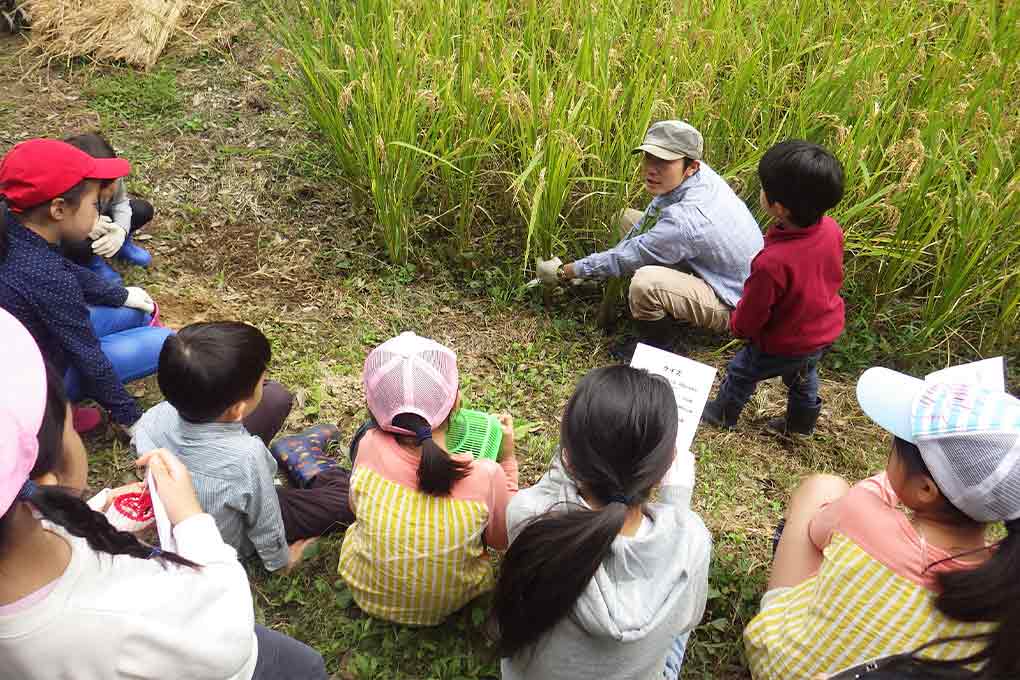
x=657 y=291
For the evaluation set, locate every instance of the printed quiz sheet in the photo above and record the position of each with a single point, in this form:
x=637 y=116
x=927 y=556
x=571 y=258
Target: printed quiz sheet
x=691 y=382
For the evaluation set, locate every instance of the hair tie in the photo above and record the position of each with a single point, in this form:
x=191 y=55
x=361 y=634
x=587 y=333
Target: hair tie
x=619 y=498
x=28 y=490
x=422 y=434
x=155 y=552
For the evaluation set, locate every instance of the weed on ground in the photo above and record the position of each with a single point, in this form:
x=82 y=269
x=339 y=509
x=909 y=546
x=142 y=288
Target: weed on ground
x=253 y=224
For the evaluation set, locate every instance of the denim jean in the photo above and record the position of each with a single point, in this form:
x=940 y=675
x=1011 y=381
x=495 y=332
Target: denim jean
x=675 y=658
x=127 y=340
x=750 y=366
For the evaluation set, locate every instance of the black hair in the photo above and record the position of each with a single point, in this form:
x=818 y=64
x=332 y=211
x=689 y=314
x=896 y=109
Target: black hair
x=72 y=197
x=93 y=144
x=96 y=146
x=986 y=593
x=806 y=178
x=913 y=461
x=208 y=367
x=63 y=507
x=619 y=438
x=437 y=471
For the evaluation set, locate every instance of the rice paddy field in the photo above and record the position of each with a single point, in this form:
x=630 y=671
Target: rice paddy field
x=508 y=124
x=337 y=172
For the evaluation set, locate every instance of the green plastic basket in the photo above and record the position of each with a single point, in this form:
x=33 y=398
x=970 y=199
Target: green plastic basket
x=474 y=432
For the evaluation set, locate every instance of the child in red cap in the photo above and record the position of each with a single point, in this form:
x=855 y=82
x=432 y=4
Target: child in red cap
x=96 y=333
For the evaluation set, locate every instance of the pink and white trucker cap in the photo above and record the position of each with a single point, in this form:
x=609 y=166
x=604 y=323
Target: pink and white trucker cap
x=969 y=437
x=410 y=374
x=22 y=402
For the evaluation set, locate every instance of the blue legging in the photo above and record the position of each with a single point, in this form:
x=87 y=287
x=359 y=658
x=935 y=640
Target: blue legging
x=128 y=341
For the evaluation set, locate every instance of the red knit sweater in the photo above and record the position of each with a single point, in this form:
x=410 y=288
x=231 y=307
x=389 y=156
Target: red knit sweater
x=791 y=304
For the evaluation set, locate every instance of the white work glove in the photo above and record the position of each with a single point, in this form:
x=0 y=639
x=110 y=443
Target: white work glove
x=139 y=299
x=108 y=237
x=101 y=226
x=548 y=270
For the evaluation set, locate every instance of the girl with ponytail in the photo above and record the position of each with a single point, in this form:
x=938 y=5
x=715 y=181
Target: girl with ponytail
x=899 y=566
x=417 y=550
x=79 y=599
x=599 y=580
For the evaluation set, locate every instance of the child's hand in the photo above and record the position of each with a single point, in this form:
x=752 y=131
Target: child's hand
x=173 y=484
x=297 y=551
x=139 y=299
x=506 y=447
x=109 y=243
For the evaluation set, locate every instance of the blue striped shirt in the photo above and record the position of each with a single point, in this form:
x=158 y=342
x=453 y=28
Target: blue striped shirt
x=233 y=474
x=701 y=225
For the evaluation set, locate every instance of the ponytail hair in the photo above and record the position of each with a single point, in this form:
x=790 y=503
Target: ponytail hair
x=619 y=438
x=66 y=510
x=437 y=471
x=989 y=592
x=63 y=507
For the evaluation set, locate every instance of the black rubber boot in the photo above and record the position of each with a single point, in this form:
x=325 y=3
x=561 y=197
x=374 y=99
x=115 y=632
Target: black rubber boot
x=722 y=413
x=797 y=420
x=661 y=333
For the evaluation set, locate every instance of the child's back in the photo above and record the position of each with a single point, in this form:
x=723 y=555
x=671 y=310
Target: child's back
x=413 y=557
x=417 y=550
x=233 y=473
x=649 y=587
x=791 y=304
x=872 y=597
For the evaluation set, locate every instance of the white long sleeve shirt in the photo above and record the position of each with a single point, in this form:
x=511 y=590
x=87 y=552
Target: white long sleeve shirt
x=110 y=617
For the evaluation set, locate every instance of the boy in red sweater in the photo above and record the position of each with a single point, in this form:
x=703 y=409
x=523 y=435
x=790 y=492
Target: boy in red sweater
x=791 y=310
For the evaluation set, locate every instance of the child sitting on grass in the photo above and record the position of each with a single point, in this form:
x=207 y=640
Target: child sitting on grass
x=120 y=216
x=417 y=551
x=791 y=310
x=856 y=578
x=93 y=331
x=600 y=581
x=79 y=599
x=212 y=376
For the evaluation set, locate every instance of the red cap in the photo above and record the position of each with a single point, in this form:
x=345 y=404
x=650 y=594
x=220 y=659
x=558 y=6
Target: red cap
x=39 y=170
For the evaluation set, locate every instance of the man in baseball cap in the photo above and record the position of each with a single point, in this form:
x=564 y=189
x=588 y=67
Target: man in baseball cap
x=689 y=252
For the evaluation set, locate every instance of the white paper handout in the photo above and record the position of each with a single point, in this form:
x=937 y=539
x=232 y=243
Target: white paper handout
x=989 y=374
x=691 y=382
x=163 y=526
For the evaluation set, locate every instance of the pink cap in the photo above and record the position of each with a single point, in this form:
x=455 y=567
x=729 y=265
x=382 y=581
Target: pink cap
x=22 y=403
x=410 y=374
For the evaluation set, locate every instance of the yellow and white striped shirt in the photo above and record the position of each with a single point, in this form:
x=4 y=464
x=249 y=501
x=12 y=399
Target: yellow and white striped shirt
x=413 y=558
x=854 y=610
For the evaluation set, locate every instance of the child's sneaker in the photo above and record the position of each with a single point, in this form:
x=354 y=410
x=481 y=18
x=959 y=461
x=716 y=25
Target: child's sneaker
x=99 y=266
x=303 y=455
x=134 y=254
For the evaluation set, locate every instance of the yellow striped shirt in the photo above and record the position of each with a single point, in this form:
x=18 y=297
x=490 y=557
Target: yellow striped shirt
x=411 y=557
x=854 y=610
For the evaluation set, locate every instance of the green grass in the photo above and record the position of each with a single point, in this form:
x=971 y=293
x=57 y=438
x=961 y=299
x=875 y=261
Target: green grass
x=129 y=94
x=253 y=223
x=513 y=121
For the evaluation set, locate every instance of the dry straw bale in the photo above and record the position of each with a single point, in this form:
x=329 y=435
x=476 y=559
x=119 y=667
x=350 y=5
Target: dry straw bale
x=132 y=31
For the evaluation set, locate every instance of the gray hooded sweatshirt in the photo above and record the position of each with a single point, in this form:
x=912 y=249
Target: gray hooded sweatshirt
x=649 y=590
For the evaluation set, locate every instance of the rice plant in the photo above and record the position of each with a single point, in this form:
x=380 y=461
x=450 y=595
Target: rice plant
x=525 y=113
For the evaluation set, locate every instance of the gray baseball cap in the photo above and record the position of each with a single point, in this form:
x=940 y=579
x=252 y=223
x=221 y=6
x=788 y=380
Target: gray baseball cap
x=671 y=140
